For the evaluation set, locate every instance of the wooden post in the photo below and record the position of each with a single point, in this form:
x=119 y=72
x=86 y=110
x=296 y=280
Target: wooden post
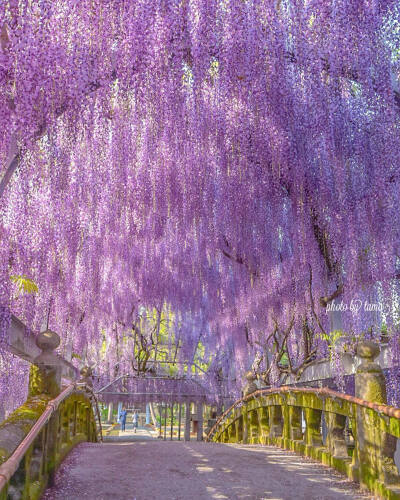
x=187 y=421
x=172 y=420
x=110 y=413
x=199 y=421
x=179 y=420
x=165 y=421
x=160 y=428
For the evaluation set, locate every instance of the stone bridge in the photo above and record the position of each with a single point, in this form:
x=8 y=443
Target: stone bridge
x=247 y=453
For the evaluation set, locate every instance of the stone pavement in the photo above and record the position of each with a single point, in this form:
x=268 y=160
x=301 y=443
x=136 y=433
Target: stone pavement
x=153 y=469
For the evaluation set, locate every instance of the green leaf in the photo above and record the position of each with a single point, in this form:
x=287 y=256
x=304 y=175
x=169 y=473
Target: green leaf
x=284 y=361
x=24 y=284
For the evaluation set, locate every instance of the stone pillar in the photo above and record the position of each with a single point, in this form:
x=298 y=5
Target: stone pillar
x=335 y=439
x=239 y=428
x=375 y=448
x=110 y=413
x=285 y=441
x=187 y=421
x=275 y=421
x=199 y=408
x=370 y=382
x=45 y=373
x=263 y=421
x=45 y=380
x=147 y=413
x=253 y=427
x=313 y=436
x=295 y=415
x=245 y=425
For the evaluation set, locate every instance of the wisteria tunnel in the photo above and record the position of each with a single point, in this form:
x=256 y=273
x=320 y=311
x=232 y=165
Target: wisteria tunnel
x=199 y=249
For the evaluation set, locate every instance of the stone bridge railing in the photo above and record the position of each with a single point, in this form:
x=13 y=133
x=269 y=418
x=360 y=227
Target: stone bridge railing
x=355 y=435
x=37 y=436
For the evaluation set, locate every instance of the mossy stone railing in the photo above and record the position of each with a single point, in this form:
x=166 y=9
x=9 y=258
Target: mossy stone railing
x=38 y=435
x=355 y=436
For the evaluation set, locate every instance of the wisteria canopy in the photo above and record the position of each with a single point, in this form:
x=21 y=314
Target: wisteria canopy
x=231 y=164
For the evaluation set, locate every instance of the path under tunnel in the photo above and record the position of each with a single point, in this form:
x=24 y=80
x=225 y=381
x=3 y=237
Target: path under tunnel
x=154 y=469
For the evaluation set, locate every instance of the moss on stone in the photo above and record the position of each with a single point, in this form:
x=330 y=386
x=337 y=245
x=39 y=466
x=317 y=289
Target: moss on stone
x=3 y=455
x=23 y=419
x=42 y=381
x=266 y=417
x=30 y=410
x=20 y=422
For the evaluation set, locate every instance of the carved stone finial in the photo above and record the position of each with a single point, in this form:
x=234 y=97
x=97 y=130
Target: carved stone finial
x=368 y=350
x=250 y=376
x=250 y=386
x=47 y=341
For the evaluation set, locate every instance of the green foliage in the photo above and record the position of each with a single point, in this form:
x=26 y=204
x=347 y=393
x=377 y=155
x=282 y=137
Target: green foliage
x=284 y=361
x=24 y=284
x=332 y=339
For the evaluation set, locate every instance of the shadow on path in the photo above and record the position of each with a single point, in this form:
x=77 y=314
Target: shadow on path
x=155 y=470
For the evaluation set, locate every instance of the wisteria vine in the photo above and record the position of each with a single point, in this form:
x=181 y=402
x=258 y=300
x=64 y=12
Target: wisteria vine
x=236 y=162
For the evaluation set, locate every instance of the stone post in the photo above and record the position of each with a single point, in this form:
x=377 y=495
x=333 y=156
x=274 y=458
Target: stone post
x=45 y=374
x=187 y=421
x=313 y=437
x=375 y=448
x=253 y=427
x=370 y=382
x=239 y=426
x=275 y=421
x=263 y=420
x=45 y=380
x=295 y=415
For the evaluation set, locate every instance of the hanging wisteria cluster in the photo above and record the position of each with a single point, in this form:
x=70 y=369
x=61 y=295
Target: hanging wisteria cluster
x=236 y=161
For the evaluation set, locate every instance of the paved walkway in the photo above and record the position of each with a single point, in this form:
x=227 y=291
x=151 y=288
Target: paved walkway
x=165 y=470
x=141 y=434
